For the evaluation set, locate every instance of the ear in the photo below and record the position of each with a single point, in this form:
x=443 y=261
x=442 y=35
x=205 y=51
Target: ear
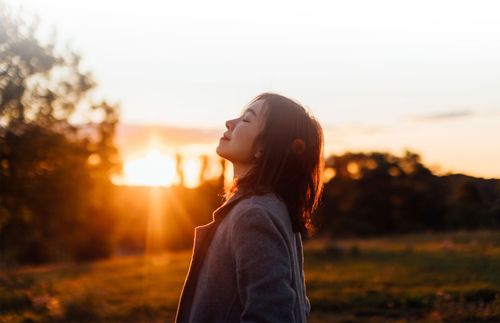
x=259 y=152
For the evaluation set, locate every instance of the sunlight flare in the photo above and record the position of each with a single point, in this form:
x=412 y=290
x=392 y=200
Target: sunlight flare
x=154 y=169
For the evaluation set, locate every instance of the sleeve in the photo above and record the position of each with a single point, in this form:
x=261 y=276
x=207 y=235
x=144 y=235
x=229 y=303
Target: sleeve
x=263 y=271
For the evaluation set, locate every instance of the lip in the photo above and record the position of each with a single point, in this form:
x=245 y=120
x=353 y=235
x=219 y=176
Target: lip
x=224 y=138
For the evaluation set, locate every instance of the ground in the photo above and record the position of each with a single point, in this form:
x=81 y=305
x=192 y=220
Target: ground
x=409 y=278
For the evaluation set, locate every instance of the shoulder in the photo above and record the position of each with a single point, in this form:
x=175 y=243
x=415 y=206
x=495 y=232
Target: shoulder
x=266 y=208
x=269 y=201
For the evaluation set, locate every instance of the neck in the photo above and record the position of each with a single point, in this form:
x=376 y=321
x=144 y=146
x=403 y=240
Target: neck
x=240 y=170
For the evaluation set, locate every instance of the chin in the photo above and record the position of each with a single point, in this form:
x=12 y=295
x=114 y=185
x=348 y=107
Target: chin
x=223 y=155
x=219 y=152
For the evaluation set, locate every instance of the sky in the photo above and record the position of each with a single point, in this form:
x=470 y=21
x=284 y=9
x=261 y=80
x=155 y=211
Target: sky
x=378 y=75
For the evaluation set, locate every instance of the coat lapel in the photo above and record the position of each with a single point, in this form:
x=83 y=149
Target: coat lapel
x=202 y=233
x=202 y=237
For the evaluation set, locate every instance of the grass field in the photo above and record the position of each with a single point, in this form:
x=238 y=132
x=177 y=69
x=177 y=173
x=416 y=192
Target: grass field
x=453 y=277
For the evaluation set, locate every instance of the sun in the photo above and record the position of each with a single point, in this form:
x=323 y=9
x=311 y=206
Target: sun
x=154 y=169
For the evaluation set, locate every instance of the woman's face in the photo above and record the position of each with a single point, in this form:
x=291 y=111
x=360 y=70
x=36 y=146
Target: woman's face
x=236 y=144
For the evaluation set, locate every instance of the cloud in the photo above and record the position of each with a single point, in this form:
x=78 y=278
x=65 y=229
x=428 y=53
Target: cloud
x=443 y=116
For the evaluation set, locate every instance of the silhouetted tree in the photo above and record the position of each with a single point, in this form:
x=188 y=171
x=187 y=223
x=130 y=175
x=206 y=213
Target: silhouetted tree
x=55 y=176
x=379 y=193
x=203 y=168
x=222 y=177
x=466 y=208
x=179 y=169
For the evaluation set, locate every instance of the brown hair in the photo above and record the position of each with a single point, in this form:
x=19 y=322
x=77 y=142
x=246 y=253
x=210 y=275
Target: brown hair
x=292 y=161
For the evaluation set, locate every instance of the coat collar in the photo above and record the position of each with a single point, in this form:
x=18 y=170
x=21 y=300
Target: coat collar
x=203 y=231
x=221 y=211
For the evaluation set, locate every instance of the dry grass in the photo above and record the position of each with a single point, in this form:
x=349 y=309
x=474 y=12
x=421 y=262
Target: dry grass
x=412 y=278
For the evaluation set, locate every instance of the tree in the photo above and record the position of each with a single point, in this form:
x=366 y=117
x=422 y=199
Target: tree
x=54 y=175
x=467 y=208
x=377 y=193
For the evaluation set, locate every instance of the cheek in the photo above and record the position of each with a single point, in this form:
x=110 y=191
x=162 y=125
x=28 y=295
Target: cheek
x=244 y=139
x=247 y=135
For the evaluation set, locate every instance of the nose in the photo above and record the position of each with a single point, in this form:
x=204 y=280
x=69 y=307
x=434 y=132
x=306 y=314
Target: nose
x=230 y=124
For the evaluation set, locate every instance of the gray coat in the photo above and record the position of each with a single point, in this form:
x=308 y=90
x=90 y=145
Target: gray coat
x=246 y=266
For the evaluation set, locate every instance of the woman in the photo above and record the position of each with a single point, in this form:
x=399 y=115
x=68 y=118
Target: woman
x=247 y=264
